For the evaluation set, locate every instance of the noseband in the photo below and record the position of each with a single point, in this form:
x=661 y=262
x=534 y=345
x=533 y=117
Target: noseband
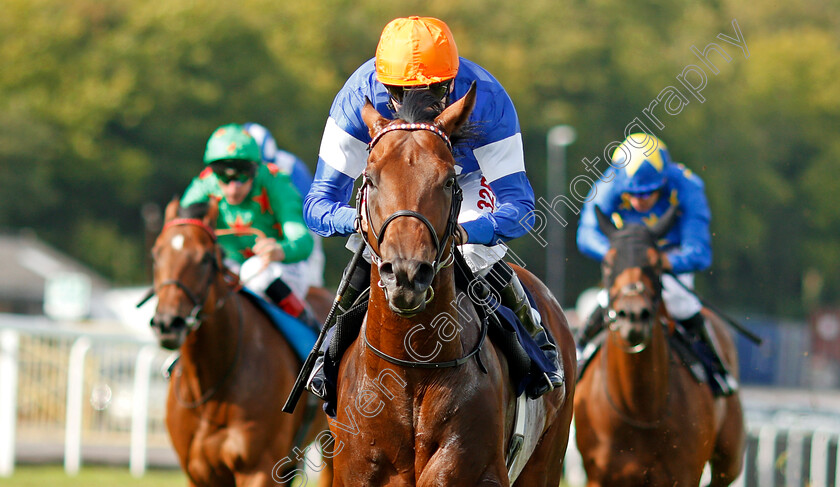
x=454 y=207
x=633 y=289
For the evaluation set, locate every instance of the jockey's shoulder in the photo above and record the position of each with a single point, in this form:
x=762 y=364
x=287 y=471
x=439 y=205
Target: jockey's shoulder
x=683 y=177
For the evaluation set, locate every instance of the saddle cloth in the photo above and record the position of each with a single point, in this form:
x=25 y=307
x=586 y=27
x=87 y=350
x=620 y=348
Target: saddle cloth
x=300 y=337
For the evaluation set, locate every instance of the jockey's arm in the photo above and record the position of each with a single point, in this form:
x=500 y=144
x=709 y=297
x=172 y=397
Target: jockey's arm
x=695 y=250
x=500 y=156
x=342 y=158
x=513 y=217
x=325 y=207
x=590 y=240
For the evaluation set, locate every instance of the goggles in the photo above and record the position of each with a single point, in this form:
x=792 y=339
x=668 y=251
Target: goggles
x=242 y=174
x=439 y=90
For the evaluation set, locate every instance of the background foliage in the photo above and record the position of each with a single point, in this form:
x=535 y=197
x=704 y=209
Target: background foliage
x=105 y=107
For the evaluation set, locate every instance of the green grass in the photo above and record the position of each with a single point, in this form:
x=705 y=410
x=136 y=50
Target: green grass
x=93 y=476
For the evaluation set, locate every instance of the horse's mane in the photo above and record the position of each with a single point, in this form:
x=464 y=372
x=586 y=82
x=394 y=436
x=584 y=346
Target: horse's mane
x=195 y=210
x=420 y=106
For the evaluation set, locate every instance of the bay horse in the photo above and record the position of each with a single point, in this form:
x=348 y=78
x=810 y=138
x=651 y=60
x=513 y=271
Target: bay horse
x=641 y=418
x=407 y=422
x=226 y=393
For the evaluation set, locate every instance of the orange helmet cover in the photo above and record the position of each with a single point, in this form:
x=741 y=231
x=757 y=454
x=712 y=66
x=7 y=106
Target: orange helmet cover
x=416 y=51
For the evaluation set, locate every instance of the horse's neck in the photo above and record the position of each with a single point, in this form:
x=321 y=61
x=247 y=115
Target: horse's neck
x=208 y=351
x=638 y=383
x=432 y=336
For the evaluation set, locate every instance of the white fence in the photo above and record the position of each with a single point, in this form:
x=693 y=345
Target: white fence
x=774 y=457
x=75 y=396
x=72 y=396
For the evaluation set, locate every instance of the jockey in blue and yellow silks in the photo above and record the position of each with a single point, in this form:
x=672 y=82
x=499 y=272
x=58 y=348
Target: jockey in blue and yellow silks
x=642 y=184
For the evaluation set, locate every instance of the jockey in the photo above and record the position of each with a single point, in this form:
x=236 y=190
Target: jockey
x=301 y=177
x=419 y=53
x=256 y=196
x=642 y=184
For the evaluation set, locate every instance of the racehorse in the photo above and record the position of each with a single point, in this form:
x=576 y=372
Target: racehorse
x=641 y=418
x=423 y=400
x=227 y=389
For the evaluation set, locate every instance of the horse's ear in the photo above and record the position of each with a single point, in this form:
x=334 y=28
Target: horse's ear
x=212 y=212
x=604 y=223
x=457 y=113
x=372 y=118
x=172 y=209
x=664 y=224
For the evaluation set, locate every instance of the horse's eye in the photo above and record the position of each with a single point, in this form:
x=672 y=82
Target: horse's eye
x=449 y=183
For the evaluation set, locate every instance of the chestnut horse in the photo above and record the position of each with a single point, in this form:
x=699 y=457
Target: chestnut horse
x=225 y=395
x=408 y=422
x=641 y=418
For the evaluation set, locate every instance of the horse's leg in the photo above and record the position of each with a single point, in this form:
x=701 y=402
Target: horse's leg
x=545 y=467
x=728 y=457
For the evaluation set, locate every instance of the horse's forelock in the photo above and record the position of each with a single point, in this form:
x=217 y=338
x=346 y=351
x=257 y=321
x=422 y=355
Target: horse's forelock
x=421 y=106
x=631 y=244
x=195 y=210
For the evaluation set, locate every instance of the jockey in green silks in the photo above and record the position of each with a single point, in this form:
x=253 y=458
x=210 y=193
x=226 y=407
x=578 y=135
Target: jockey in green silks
x=254 y=196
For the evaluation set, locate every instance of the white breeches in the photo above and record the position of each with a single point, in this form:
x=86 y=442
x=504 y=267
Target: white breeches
x=257 y=276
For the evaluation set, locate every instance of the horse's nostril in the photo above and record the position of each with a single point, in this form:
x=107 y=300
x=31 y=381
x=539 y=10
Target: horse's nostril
x=386 y=272
x=644 y=315
x=177 y=322
x=424 y=275
x=168 y=323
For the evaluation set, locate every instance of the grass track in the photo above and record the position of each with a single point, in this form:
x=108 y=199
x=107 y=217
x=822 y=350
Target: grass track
x=93 y=476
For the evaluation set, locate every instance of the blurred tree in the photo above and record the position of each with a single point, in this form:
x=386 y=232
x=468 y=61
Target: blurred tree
x=106 y=106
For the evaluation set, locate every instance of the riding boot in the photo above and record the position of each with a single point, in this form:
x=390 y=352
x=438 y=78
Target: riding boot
x=281 y=294
x=359 y=282
x=513 y=296
x=723 y=383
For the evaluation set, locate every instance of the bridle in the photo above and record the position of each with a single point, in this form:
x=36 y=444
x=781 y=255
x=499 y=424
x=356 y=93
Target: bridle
x=440 y=245
x=633 y=251
x=194 y=319
x=454 y=207
x=637 y=288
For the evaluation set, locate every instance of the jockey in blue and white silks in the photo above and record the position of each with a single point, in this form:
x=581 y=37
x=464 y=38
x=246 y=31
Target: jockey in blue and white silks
x=498 y=197
x=419 y=53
